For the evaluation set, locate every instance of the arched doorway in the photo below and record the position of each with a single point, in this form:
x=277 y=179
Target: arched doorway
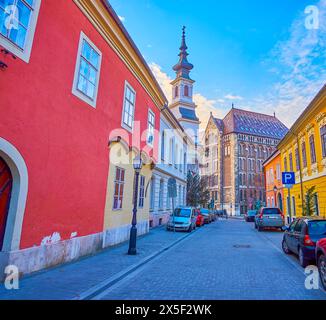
x=19 y=188
x=5 y=196
x=280 y=202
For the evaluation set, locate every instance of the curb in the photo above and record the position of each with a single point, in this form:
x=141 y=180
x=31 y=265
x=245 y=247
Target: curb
x=106 y=284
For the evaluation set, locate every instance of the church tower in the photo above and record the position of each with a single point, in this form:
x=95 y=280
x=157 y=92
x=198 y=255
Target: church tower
x=182 y=105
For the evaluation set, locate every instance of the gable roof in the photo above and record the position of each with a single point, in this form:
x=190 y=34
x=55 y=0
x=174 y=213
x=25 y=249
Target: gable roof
x=253 y=123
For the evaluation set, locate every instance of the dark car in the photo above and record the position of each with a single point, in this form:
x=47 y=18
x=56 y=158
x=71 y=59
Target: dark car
x=207 y=216
x=250 y=215
x=321 y=260
x=221 y=213
x=213 y=215
x=301 y=237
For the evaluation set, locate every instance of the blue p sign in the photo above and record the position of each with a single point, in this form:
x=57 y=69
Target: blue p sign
x=288 y=178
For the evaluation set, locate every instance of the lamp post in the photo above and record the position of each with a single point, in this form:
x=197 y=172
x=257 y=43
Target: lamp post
x=137 y=163
x=275 y=193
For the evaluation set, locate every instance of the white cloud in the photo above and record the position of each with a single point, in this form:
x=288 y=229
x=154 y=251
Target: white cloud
x=122 y=18
x=233 y=97
x=163 y=79
x=204 y=105
x=299 y=61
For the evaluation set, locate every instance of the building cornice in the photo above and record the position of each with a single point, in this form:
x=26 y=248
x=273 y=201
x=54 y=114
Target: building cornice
x=274 y=155
x=182 y=80
x=107 y=23
x=183 y=104
x=307 y=115
x=190 y=121
x=158 y=169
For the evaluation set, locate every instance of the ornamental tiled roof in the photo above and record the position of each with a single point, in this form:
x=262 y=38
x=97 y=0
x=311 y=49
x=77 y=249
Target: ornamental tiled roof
x=253 y=123
x=219 y=123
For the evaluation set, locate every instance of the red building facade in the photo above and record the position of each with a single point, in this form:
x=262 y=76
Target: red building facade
x=62 y=87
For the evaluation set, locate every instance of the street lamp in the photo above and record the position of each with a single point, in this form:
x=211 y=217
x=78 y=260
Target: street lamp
x=275 y=192
x=137 y=163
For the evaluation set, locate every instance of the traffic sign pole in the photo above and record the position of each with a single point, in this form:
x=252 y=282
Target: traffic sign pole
x=289 y=205
x=288 y=180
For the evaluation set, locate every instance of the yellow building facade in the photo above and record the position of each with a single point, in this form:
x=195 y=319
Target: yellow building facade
x=120 y=191
x=303 y=151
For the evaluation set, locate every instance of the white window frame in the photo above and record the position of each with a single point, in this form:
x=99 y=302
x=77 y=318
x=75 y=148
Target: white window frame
x=75 y=91
x=149 y=125
x=121 y=184
x=25 y=53
x=123 y=124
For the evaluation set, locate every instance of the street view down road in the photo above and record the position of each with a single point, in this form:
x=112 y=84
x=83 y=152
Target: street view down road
x=225 y=260
x=228 y=259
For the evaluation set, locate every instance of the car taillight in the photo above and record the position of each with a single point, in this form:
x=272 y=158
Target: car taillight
x=308 y=242
x=261 y=216
x=282 y=215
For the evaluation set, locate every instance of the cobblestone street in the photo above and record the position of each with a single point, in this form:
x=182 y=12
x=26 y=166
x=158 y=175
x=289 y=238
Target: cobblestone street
x=226 y=260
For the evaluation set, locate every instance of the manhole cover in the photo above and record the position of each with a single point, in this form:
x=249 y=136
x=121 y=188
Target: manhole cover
x=242 y=246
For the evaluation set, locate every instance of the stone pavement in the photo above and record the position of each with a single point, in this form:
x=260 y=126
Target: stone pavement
x=226 y=260
x=71 y=280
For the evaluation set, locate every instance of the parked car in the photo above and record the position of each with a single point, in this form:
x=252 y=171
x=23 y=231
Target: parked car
x=250 y=215
x=224 y=213
x=213 y=215
x=301 y=237
x=207 y=217
x=321 y=260
x=184 y=219
x=219 y=213
x=200 y=219
x=269 y=218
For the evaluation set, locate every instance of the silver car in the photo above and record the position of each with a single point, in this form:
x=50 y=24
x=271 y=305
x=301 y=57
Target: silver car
x=184 y=219
x=269 y=218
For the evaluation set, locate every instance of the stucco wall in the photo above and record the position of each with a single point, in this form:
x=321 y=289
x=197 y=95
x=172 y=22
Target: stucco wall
x=119 y=218
x=63 y=140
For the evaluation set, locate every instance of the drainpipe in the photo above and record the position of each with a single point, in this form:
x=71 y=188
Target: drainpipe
x=222 y=169
x=300 y=169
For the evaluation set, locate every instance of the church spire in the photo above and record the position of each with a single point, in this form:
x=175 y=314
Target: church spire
x=183 y=67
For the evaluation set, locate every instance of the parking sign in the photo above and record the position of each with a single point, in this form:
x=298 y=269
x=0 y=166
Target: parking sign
x=288 y=178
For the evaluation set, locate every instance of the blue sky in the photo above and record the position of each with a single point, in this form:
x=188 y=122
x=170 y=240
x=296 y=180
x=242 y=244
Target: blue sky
x=256 y=54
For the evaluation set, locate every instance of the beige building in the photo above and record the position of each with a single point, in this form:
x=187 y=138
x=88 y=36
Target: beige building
x=234 y=151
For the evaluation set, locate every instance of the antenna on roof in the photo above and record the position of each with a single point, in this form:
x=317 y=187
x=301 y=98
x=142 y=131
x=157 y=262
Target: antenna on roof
x=274 y=114
x=232 y=105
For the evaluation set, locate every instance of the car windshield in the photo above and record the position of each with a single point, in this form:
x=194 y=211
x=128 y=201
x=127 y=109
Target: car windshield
x=272 y=211
x=252 y=213
x=183 y=213
x=203 y=211
x=317 y=227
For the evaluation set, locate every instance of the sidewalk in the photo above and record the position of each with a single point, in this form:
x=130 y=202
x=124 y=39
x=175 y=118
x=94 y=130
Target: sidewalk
x=71 y=281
